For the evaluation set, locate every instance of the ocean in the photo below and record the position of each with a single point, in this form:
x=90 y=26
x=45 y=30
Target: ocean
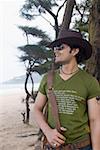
x=10 y=88
x=14 y=134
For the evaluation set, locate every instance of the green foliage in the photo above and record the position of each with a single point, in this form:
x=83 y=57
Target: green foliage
x=33 y=8
x=38 y=52
x=35 y=51
x=35 y=32
x=42 y=68
x=82 y=18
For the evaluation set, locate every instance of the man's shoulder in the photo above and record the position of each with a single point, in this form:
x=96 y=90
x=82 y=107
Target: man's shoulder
x=86 y=74
x=87 y=77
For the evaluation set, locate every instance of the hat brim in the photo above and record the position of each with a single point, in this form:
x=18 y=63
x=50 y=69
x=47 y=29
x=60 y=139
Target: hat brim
x=84 y=45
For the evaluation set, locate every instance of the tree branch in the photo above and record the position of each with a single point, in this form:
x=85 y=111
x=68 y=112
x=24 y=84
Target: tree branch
x=78 y=10
x=68 y=14
x=47 y=20
x=49 y=11
x=60 y=7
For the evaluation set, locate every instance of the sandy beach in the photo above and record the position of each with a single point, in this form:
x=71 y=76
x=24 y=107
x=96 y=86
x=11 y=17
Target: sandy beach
x=14 y=134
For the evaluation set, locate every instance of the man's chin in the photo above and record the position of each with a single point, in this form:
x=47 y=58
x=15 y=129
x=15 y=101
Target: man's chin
x=58 y=62
x=61 y=62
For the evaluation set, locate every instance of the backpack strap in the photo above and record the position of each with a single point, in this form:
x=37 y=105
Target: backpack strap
x=52 y=99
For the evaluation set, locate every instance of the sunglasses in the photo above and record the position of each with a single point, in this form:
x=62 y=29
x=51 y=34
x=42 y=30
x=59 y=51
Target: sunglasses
x=59 y=48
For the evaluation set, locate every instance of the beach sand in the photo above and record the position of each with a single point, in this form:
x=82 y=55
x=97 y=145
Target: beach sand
x=14 y=134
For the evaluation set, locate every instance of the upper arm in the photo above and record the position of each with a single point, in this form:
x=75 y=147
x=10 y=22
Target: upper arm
x=94 y=109
x=40 y=102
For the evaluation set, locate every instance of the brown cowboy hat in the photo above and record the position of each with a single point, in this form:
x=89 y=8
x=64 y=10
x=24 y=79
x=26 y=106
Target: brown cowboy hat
x=74 y=38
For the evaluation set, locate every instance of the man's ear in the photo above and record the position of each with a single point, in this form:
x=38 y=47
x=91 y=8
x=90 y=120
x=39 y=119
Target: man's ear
x=75 y=51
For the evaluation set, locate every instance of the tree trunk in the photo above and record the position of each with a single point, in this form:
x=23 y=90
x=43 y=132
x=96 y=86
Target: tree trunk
x=94 y=30
x=27 y=109
x=68 y=14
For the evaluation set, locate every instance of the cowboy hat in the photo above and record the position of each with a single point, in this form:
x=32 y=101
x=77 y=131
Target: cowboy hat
x=74 y=38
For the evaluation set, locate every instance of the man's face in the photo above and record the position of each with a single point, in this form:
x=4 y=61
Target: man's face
x=63 y=54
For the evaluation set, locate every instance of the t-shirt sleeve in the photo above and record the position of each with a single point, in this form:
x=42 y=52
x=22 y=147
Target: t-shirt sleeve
x=43 y=85
x=93 y=89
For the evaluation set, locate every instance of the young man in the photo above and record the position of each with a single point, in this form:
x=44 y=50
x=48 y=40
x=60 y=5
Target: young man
x=76 y=94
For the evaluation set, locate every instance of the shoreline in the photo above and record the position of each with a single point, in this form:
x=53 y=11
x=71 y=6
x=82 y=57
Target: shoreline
x=14 y=134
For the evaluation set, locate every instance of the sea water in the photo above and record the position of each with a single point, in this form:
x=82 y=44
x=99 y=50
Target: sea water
x=15 y=88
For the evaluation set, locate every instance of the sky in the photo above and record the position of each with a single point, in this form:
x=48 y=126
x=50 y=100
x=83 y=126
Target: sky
x=11 y=37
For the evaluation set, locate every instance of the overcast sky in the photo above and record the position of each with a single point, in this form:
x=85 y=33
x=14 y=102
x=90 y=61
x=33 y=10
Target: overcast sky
x=11 y=37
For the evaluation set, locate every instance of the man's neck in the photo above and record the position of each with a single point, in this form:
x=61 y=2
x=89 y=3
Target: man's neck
x=70 y=68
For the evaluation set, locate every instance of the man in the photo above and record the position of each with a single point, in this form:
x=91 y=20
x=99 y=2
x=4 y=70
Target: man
x=76 y=94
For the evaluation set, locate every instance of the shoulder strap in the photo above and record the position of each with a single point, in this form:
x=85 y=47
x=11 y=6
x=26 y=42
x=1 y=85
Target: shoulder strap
x=52 y=99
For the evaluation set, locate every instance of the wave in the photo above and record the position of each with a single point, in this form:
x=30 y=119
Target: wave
x=9 y=88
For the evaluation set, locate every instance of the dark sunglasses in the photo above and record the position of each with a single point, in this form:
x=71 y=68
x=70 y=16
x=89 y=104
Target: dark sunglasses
x=59 y=48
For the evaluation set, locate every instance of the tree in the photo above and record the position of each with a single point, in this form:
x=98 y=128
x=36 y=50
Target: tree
x=94 y=30
x=34 y=8
x=38 y=53
x=34 y=54
x=68 y=14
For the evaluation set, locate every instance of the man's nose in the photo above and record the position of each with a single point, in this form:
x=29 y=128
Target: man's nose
x=56 y=51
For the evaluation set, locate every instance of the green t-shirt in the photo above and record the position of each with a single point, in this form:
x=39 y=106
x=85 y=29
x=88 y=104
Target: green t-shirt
x=72 y=96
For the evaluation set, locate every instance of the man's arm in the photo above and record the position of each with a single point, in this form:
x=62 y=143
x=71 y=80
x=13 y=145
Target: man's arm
x=53 y=136
x=94 y=118
x=38 y=111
